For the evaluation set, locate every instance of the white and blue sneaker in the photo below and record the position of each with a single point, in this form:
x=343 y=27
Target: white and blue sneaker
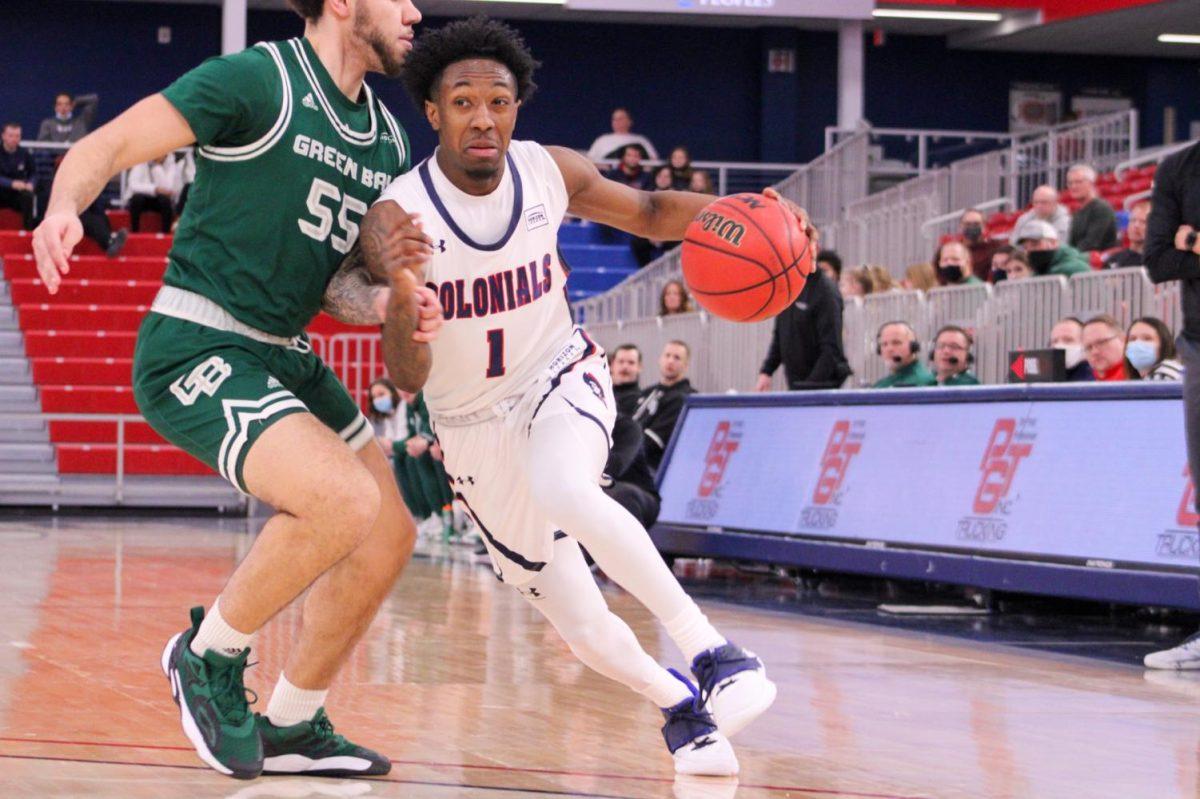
x=733 y=685
x=699 y=749
x=1185 y=657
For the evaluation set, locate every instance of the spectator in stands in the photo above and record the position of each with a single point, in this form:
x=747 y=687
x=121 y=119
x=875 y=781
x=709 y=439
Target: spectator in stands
x=647 y=250
x=830 y=263
x=1150 y=347
x=1047 y=208
x=881 y=279
x=954 y=267
x=674 y=299
x=999 y=262
x=18 y=174
x=1046 y=255
x=807 y=340
x=952 y=357
x=1017 y=267
x=662 y=179
x=701 y=182
x=856 y=283
x=919 y=277
x=72 y=118
x=629 y=169
x=1173 y=253
x=681 y=168
x=154 y=186
x=659 y=406
x=610 y=145
x=897 y=343
x=1104 y=345
x=1067 y=335
x=625 y=365
x=1094 y=225
x=972 y=227
x=387 y=414
x=422 y=478
x=1135 y=253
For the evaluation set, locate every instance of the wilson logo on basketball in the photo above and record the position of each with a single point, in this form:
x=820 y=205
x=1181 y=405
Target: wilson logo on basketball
x=1011 y=442
x=845 y=441
x=1183 y=541
x=722 y=227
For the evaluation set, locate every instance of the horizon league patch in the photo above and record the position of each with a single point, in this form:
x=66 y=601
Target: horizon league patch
x=536 y=217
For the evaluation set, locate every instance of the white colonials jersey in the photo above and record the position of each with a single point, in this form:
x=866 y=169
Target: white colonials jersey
x=497 y=271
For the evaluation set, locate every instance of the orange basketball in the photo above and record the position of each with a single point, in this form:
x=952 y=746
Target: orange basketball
x=745 y=258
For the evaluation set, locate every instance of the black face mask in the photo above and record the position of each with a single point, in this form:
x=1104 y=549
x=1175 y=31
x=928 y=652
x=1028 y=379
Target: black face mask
x=972 y=232
x=951 y=274
x=1039 y=260
x=999 y=275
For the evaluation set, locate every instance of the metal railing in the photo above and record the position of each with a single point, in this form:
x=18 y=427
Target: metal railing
x=1154 y=156
x=946 y=224
x=919 y=149
x=729 y=177
x=45 y=152
x=1101 y=142
x=884 y=228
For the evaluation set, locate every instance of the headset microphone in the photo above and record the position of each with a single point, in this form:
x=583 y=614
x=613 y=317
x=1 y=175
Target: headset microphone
x=897 y=359
x=952 y=360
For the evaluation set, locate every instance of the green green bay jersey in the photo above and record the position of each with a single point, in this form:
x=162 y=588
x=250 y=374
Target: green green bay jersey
x=286 y=168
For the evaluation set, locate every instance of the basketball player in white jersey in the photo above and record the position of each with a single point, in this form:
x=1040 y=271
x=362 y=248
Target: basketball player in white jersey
x=521 y=399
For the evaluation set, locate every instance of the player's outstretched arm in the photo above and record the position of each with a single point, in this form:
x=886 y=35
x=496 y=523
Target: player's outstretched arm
x=396 y=249
x=659 y=215
x=148 y=130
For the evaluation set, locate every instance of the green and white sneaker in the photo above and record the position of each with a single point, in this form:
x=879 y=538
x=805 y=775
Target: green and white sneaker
x=313 y=748
x=212 y=704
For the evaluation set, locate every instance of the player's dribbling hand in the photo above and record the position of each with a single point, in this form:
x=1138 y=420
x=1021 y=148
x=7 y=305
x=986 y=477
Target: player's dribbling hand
x=800 y=214
x=53 y=242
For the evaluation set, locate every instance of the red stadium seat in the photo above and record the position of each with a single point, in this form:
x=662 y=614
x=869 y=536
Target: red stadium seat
x=79 y=343
x=66 y=316
x=139 y=459
x=102 y=433
x=87 y=399
x=63 y=370
x=10 y=219
x=93 y=267
x=85 y=292
x=18 y=242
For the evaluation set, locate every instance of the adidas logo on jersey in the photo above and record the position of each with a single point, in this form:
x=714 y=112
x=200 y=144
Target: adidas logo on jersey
x=309 y=102
x=272 y=382
x=386 y=138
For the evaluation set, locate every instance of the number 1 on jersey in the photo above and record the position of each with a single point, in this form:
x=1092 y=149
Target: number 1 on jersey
x=495 y=353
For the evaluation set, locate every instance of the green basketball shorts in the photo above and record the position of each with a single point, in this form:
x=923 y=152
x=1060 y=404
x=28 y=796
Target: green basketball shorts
x=212 y=391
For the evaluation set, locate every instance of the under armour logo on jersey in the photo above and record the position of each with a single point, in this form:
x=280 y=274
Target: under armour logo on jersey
x=440 y=246
x=531 y=592
x=462 y=481
x=309 y=102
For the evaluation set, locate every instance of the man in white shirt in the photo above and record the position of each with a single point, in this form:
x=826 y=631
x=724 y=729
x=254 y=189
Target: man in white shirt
x=1047 y=208
x=609 y=146
x=154 y=186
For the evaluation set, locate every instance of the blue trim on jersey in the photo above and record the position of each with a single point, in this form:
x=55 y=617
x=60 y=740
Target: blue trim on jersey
x=518 y=204
x=515 y=557
x=586 y=415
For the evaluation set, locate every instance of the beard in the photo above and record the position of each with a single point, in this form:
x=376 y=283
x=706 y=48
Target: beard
x=388 y=58
x=482 y=173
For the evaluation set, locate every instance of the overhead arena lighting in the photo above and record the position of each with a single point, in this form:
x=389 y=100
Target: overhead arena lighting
x=951 y=16
x=1179 y=38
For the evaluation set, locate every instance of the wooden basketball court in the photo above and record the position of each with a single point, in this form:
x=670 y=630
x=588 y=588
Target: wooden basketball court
x=471 y=695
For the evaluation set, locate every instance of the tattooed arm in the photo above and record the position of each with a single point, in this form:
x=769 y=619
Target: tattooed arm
x=351 y=296
x=395 y=248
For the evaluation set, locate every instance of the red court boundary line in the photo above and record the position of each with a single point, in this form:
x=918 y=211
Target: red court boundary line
x=429 y=764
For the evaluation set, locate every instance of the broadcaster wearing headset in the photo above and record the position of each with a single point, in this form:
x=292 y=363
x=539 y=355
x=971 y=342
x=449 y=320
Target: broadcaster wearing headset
x=897 y=343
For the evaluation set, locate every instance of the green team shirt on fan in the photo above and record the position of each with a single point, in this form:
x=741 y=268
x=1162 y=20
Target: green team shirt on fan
x=286 y=168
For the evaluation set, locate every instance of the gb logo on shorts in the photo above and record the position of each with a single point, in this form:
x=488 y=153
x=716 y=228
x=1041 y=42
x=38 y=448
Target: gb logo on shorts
x=204 y=379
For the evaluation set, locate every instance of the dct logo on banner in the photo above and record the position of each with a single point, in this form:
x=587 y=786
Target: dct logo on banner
x=725 y=442
x=1011 y=442
x=845 y=441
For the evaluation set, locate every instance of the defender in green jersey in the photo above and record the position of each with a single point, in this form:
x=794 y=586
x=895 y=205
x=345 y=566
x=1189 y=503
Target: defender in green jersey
x=292 y=149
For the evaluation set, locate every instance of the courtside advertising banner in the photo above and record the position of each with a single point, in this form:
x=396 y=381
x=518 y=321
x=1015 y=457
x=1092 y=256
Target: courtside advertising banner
x=1099 y=482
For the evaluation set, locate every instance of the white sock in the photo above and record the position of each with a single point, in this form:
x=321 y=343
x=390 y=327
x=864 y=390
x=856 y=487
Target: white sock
x=216 y=634
x=291 y=705
x=665 y=690
x=692 y=633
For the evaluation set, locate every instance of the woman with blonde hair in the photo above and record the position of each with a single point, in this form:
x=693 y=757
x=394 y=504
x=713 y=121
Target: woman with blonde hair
x=919 y=277
x=856 y=282
x=881 y=279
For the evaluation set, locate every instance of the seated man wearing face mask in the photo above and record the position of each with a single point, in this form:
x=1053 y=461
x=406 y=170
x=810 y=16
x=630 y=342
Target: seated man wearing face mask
x=897 y=343
x=1104 y=346
x=952 y=357
x=954 y=267
x=1046 y=255
x=1067 y=334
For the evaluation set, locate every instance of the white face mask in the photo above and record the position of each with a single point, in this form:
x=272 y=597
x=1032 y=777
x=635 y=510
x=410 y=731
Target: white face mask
x=1074 y=354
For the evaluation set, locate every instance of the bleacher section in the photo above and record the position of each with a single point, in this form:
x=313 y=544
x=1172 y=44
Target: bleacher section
x=73 y=352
